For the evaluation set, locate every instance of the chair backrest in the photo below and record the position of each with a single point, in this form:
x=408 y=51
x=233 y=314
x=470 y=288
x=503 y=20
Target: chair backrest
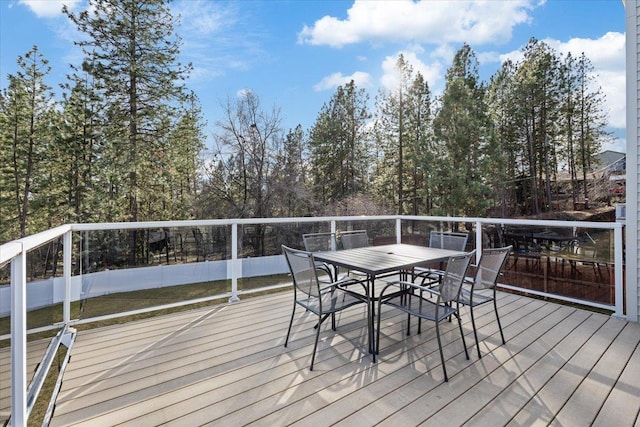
x=303 y=270
x=354 y=239
x=490 y=266
x=316 y=242
x=454 y=276
x=448 y=240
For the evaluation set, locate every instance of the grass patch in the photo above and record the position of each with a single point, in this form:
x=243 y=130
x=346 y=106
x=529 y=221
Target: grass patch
x=136 y=300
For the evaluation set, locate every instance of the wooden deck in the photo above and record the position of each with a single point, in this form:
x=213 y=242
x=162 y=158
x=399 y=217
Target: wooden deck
x=226 y=365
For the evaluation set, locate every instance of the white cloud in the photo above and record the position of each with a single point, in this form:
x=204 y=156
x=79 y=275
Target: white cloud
x=434 y=22
x=360 y=78
x=433 y=72
x=217 y=39
x=49 y=8
x=203 y=18
x=607 y=52
x=613 y=84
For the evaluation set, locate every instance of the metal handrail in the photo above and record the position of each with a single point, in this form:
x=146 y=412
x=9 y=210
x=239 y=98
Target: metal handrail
x=15 y=252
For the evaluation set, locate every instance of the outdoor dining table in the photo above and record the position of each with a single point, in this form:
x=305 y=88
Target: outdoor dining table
x=380 y=261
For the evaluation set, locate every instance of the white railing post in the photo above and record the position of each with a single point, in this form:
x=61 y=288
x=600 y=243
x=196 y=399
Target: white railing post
x=398 y=230
x=19 y=340
x=66 y=268
x=618 y=269
x=332 y=225
x=235 y=263
x=478 y=241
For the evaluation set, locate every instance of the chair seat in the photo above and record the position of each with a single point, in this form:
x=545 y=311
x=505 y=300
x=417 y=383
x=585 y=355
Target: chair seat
x=418 y=306
x=478 y=298
x=333 y=301
x=429 y=276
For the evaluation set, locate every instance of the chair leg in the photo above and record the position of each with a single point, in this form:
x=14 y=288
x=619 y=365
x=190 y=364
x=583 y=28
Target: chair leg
x=376 y=344
x=286 y=340
x=444 y=368
x=315 y=346
x=495 y=306
x=475 y=331
x=317 y=325
x=373 y=342
x=464 y=342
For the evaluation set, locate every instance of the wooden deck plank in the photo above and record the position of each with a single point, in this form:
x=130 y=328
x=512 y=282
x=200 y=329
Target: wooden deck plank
x=489 y=390
x=211 y=366
x=435 y=399
x=501 y=409
x=399 y=365
x=35 y=352
x=623 y=404
x=273 y=410
x=589 y=397
x=550 y=399
x=401 y=397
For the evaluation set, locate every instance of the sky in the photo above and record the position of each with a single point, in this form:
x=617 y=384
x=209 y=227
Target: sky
x=293 y=54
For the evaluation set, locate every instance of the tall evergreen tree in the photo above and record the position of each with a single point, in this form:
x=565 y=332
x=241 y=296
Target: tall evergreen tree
x=538 y=92
x=133 y=53
x=181 y=162
x=27 y=129
x=591 y=119
x=503 y=109
x=80 y=141
x=461 y=131
x=402 y=130
x=292 y=192
x=338 y=145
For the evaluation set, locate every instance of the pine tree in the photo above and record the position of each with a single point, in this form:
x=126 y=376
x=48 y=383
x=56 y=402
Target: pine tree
x=338 y=145
x=461 y=132
x=80 y=141
x=27 y=126
x=402 y=132
x=538 y=93
x=503 y=108
x=133 y=53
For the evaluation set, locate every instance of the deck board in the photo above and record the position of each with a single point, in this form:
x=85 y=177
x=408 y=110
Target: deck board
x=226 y=365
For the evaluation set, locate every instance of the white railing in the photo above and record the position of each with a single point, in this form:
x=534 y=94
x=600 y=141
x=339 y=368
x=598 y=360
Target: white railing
x=66 y=288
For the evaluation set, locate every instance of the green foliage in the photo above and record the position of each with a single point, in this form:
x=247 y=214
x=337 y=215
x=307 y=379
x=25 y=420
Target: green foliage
x=126 y=141
x=338 y=145
x=132 y=52
x=403 y=138
x=28 y=127
x=461 y=130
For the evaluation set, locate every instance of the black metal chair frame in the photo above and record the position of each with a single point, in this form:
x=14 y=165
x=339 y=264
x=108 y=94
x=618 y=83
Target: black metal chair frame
x=323 y=300
x=485 y=277
x=415 y=304
x=314 y=242
x=443 y=240
x=354 y=239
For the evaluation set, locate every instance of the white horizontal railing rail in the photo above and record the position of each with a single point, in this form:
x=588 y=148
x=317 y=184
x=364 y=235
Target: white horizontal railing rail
x=66 y=288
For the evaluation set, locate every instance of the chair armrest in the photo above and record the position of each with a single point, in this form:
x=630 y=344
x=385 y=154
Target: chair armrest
x=410 y=285
x=342 y=282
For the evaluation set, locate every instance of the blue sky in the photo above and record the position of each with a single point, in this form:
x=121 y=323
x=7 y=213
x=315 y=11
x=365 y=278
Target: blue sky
x=294 y=53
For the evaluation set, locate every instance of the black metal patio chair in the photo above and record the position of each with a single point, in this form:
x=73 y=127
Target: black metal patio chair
x=416 y=304
x=323 y=300
x=316 y=242
x=482 y=288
